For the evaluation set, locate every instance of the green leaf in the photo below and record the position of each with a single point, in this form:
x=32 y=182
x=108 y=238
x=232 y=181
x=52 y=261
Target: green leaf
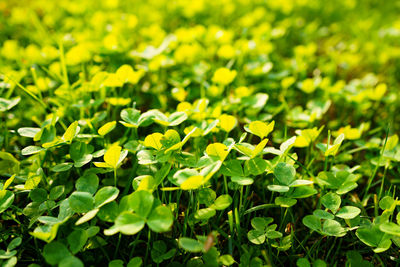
x=390 y=228
x=6 y=199
x=8 y=164
x=87 y=183
x=109 y=212
x=312 y=222
x=128 y=223
x=7 y=104
x=162 y=173
x=46 y=233
x=141 y=202
x=255 y=166
x=278 y=188
x=226 y=260
x=256 y=237
x=70 y=261
x=145 y=157
x=160 y=219
x=273 y=234
x=302 y=192
x=87 y=216
x=28 y=131
x=333 y=228
x=284 y=173
x=14 y=243
x=177 y=118
x=260 y=223
x=105 y=195
x=38 y=195
x=222 y=202
x=285 y=202
x=56 y=192
x=205 y=214
x=348 y=212
x=303 y=262
x=116 y=263
x=297 y=183
x=206 y=196
x=130 y=117
x=189 y=244
x=30 y=150
x=386 y=202
x=76 y=240
x=81 y=202
x=55 y=252
x=322 y=214
x=135 y=262
x=232 y=168
x=62 y=167
x=242 y=180
x=331 y=201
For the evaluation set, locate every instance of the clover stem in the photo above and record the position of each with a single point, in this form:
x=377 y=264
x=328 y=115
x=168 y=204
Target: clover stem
x=115 y=177
x=383 y=181
x=230 y=218
x=241 y=198
x=117 y=248
x=225 y=185
x=371 y=178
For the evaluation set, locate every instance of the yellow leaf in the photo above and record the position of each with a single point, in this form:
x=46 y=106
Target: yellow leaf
x=192 y=183
x=350 y=133
x=184 y=107
x=118 y=101
x=261 y=129
x=301 y=141
x=32 y=182
x=217 y=150
x=47 y=236
x=179 y=94
x=124 y=72
x=392 y=142
x=71 y=131
x=153 y=140
x=308 y=86
x=306 y=137
x=112 y=80
x=102 y=165
x=259 y=148
x=198 y=132
x=106 y=128
x=247 y=150
x=147 y=183
x=227 y=122
x=332 y=150
x=172 y=135
x=8 y=182
x=112 y=155
x=170 y=188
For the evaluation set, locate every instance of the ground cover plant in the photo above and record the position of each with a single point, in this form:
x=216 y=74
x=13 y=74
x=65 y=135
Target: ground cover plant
x=199 y=133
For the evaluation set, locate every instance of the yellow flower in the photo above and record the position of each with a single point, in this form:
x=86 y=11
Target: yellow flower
x=243 y=91
x=224 y=76
x=226 y=51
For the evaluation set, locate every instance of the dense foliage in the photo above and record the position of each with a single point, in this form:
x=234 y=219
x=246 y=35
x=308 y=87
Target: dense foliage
x=191 y=133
